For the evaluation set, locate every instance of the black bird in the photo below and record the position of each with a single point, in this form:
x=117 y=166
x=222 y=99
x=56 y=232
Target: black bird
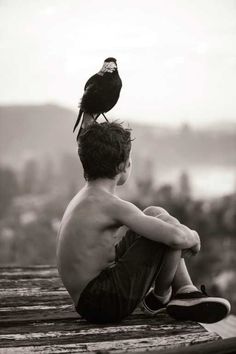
x=101 y=93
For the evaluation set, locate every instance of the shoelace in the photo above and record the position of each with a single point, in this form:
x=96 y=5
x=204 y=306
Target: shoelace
x=203 y=289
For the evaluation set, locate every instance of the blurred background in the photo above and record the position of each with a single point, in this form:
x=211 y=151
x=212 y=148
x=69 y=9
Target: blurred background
x=177 y=60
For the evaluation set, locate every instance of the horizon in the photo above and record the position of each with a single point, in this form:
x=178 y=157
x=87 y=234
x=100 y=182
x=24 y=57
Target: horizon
x=207 y=155
x=177 y=59
x=226 y=126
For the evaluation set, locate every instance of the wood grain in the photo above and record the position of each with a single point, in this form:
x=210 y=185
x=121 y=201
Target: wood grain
x=38 y=316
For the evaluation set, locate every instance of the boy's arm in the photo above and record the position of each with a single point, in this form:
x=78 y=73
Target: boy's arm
x=174 y=235
x=165 y=216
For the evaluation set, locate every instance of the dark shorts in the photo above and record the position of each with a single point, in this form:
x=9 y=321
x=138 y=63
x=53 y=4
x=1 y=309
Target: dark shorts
x=117 y=290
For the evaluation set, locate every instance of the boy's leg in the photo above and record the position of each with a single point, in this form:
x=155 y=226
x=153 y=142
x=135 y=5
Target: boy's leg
x=189 y=303
x=139 y=262
x=170 y=262
x=182 y=278
x=179 y=275
x=117 y=291
x=159 y=296
x=135 y=272
x=173 y=271
x=169 y=265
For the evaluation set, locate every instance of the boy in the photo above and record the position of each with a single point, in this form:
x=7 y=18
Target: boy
x=107 y=279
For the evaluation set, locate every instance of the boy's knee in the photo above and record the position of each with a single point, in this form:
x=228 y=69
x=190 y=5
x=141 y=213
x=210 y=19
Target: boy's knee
x=154 y=211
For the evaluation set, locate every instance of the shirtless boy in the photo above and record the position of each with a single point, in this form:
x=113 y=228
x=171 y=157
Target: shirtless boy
x=108 y=276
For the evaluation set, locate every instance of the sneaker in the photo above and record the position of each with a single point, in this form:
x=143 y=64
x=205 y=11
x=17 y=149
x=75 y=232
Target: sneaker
x=150 y=305
x=198 y=306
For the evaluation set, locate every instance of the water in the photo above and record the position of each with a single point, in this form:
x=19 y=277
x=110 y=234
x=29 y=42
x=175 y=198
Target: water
x=205 y=182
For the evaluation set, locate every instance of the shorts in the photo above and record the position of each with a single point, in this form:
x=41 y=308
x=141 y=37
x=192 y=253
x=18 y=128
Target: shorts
x=117 y=290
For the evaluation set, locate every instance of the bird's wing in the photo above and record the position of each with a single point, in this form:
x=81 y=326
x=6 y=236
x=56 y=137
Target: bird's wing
x=91 y=85
x=92 y=82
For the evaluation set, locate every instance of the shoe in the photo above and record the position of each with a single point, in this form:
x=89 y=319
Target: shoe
x=150 y=305
x=198 y=306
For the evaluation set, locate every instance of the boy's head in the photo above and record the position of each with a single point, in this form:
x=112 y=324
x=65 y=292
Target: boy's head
x=104 y=150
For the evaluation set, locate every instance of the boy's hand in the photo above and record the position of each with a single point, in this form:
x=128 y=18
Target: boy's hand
x=189 y=252
x=195 y=249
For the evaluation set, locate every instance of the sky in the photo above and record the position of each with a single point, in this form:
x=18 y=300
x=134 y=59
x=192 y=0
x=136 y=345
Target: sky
x=176 y=58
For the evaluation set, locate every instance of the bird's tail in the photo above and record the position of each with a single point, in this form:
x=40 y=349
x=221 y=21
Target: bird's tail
x=84 y=119
x=79 y=120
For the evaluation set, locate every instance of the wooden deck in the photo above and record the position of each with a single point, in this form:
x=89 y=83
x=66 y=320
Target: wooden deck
x=37 y=316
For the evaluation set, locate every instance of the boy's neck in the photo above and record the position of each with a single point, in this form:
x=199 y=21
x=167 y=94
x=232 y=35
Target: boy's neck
x=106 y=184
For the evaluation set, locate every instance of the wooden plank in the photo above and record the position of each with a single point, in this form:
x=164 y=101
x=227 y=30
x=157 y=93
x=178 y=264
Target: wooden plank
x=135 y=332
x=222 y=346
x=30 y=282
x=28 y=273
x=37 y=316
x=37 y=313
x=95 y=335
x=114 y=345
x=225 y=328
x=33 y=293
x=161 y=326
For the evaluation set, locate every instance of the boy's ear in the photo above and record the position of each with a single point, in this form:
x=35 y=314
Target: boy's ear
x=122 y=167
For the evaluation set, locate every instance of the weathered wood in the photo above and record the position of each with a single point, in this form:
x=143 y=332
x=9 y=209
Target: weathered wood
x=226 y=346
x=124 y=345
x=37 y=316
x=226 y=328
x=80 y=332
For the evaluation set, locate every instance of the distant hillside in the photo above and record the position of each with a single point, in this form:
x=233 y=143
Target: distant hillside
x=40 y=129
x=48 y=129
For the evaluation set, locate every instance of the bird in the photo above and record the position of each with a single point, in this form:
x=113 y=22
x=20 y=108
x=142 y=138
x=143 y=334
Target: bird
x=101 y=93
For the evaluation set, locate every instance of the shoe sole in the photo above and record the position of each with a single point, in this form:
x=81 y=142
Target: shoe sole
x=205 y=310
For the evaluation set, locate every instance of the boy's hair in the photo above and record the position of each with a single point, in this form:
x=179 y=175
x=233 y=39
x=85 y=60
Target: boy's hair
x=102 y=147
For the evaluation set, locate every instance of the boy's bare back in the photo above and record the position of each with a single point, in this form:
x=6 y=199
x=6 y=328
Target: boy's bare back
x=86 y=240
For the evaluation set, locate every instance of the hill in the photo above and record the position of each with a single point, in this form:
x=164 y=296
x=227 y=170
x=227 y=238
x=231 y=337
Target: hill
x=47 y=129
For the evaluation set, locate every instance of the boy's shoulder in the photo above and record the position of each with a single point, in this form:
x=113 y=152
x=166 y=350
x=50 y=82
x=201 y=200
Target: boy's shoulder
x=119 y=206
x=108 y=200
x=86 y=202
x=92 y=196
